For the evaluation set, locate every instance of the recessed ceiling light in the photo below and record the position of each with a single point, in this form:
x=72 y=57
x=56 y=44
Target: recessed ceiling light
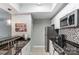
x=39 y=4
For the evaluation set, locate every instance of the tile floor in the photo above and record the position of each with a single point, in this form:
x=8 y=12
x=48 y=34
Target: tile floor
x=39 y=51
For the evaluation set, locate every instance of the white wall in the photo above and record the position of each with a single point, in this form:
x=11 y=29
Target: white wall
x=69 y=8
x=38 y=34
x=5 y=29
x=22 y=19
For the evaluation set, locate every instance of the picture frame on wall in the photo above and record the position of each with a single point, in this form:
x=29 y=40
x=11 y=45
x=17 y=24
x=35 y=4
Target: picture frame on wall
x=20 y=27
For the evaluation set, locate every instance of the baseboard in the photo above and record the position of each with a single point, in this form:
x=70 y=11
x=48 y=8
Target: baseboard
x=38 y=46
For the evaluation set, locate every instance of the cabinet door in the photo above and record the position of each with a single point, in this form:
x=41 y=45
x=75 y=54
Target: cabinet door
x=56 y=53
x=64 y=22
x=51 y=48
x=20 y=53
x=26 y=49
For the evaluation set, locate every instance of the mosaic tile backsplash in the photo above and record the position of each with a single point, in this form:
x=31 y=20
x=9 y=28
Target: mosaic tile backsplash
x=72 y=34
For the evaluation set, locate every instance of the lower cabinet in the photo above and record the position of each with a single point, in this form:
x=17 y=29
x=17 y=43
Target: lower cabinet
x=56 y=53
x=51 y=49
x=26 y=49
x=19 y=53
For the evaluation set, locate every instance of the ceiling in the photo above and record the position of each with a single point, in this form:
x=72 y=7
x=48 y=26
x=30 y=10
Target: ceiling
x=42 y=15
x=35 y=7
x=49 y=15
x=42 y=10
x=38 y=10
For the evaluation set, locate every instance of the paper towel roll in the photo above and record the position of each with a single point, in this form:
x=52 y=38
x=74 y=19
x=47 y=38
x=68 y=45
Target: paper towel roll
x=26 y=36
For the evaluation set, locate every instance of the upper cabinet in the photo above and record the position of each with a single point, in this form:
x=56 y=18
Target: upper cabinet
x=70 y=20
x=64 y=22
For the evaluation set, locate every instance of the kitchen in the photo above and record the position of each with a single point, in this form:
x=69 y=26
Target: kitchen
x=69 y=28
x=23 y=29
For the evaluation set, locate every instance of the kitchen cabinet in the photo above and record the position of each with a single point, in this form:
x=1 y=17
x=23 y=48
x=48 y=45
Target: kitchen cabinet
x=51 y=48
x=26 y=49
x=63 y=22
x=19 y=53
x=56 y=53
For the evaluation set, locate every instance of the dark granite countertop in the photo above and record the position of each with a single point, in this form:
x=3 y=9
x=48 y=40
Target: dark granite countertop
x=7 y=38
x=70 y=48
x=15 y=46
x=17 y=49
x=20 y=46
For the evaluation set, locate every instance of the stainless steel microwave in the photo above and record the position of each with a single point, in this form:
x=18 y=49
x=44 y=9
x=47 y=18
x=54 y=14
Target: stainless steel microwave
x=70 y=20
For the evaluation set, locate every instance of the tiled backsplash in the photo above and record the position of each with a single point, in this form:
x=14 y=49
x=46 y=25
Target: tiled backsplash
x=72 y=34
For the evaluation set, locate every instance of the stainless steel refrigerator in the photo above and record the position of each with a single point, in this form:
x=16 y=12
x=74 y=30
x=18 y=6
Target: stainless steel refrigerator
x=50 y=33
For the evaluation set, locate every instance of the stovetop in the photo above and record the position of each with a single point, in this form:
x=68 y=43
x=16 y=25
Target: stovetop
x=70 y=48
